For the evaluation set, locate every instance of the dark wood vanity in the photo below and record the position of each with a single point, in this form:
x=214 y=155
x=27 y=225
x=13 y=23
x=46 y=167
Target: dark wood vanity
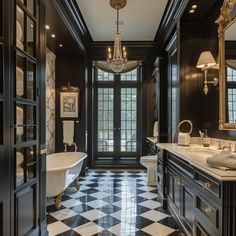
x=200 y=203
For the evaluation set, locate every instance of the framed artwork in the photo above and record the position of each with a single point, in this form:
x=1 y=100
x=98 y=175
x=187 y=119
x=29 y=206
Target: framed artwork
x=69 y=104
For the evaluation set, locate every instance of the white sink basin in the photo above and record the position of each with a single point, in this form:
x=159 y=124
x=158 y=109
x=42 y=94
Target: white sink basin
x=199 y=151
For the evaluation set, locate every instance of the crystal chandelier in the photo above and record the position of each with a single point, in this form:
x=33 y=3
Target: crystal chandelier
x=118 y=61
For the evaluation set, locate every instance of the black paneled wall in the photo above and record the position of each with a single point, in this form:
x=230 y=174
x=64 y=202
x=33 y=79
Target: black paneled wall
x=71 y=69
x=191 y=79
x=211 y=102
x=203 y=110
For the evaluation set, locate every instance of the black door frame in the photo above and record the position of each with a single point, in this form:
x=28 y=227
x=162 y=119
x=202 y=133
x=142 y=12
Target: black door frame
x=116 y=159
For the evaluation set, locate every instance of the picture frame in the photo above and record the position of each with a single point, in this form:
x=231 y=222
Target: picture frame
x=69 y=104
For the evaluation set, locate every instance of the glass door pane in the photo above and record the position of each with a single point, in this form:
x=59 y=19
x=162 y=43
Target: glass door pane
x=105 y=121
x=128 y=119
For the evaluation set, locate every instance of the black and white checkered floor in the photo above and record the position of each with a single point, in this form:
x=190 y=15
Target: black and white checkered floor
x=111 y=204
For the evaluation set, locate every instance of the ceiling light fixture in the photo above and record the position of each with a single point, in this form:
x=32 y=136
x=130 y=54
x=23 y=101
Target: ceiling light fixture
x=60 y=45
x=192 y=11
x=47 y=27
x=194 y=6
x=118 y=60
x=53 y=35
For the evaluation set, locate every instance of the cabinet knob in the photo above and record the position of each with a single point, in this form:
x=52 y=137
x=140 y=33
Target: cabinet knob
x=208 y=209
x=208 y=184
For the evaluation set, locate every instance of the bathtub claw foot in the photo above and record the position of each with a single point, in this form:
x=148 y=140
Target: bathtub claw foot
x=58 y=201
x=77 y=184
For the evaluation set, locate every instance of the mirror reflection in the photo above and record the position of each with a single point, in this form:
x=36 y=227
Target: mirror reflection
x=230 y=87
x=227 y=65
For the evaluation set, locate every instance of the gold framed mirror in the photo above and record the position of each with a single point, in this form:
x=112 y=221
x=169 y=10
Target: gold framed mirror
x=227 y=65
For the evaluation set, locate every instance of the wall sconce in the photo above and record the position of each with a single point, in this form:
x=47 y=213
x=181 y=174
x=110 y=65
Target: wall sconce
x=206 y=61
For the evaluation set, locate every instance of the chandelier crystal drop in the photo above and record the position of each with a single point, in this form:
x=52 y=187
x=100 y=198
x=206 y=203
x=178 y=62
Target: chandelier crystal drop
x=118 y=61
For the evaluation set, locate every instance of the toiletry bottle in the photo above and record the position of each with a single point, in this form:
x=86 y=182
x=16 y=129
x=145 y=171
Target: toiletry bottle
x=206 y=141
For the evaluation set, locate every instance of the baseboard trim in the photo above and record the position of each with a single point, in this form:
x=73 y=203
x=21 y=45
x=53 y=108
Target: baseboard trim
x=43 y=229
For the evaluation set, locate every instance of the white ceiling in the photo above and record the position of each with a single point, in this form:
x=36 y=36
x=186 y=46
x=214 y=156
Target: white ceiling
x=141 y=19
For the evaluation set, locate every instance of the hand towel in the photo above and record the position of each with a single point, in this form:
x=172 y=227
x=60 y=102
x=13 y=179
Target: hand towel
x=223 y=159
x=68 y=132
x=155 y=129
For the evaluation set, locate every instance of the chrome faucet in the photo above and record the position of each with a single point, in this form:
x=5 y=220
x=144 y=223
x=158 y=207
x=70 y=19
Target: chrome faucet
x=72 y=144
x=226 y=146
x=218 y=144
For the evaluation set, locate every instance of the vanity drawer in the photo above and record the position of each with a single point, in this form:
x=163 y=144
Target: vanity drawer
x=178 y=164
x=208 y=184
x=159 y=153
x=208 y=210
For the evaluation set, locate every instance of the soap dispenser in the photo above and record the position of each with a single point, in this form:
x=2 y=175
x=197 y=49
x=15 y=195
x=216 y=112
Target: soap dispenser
x=206 y=141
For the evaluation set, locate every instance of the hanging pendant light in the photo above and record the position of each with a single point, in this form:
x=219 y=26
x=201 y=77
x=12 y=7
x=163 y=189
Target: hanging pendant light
x=118 y=61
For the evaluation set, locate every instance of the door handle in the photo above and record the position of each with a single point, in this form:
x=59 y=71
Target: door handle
x=116 y=128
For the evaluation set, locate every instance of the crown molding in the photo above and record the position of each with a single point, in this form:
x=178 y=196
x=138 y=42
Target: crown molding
x=172 y=13
x=72 y=17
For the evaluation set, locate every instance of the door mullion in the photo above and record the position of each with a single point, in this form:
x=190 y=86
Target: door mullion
x=117 y=119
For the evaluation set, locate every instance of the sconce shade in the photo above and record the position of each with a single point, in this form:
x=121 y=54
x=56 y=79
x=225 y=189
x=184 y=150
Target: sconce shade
x=205 y=60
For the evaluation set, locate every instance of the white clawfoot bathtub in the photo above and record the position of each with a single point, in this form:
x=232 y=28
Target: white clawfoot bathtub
x=62 y=169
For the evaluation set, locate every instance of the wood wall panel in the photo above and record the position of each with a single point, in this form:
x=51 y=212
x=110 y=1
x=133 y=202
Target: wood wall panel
x=191 y=93
x=71 y=69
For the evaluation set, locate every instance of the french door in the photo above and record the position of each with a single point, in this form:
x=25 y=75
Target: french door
x=117 y=120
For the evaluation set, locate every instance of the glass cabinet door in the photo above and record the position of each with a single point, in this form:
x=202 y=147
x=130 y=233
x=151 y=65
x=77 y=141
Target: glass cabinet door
x=26 y=142
x=26 y=26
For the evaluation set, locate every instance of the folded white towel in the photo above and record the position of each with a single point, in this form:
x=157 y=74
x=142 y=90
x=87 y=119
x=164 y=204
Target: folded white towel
x=223 y=159
x=68 y=132
x=155 y=129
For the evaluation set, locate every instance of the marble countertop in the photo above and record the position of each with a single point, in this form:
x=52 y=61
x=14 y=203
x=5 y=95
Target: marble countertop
x=152 y=139
x=196 y=155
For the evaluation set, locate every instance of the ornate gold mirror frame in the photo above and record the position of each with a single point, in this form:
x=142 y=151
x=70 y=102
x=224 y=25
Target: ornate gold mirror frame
x=225 y=20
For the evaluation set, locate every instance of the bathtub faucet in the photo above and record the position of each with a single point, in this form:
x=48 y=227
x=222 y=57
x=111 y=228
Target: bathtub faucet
x=72 y=144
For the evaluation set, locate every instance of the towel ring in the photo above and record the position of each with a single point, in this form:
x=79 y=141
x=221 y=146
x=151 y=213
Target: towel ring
x=186 y=121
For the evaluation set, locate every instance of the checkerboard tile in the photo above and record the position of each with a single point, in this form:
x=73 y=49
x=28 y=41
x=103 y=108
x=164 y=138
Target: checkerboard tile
x=110 y=203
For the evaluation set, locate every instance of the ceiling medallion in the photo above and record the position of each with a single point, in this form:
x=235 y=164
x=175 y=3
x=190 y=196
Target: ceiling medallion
x=117 y=4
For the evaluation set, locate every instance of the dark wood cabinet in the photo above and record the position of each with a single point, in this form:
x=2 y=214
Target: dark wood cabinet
x=174 y=189
x=199 y=231
x=162 y=177
x=20 y=137
x=187 y=205
x=201 y=204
